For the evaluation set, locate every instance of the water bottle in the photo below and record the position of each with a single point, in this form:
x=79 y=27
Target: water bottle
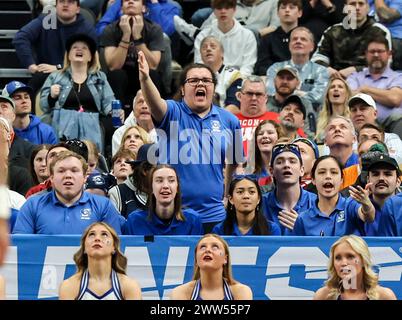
x=116 y=110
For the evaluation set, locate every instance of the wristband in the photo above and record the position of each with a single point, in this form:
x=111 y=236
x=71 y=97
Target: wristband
x=5 y=205
x=126 y=42
x=123 y=46
x=138 y=41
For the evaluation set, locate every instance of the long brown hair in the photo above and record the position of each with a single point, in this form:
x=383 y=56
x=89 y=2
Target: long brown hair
x=227 y=268
x=178 y=213
x=255 y=163
x=119 y=261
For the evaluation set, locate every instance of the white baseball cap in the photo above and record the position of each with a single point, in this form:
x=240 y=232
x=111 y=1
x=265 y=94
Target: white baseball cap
x=362 y=97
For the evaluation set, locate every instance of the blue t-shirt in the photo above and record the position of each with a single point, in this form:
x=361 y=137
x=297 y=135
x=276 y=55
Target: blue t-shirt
x=138 y=224
x=45 y=214
x=197 y=148
x=395 y=27
x=219 y=229
x=344 y=220
x=390 y=220
x=271 y=206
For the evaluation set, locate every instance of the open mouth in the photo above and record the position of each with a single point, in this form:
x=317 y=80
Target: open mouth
x=328 y=186
x=207 y=258
x=290 y=119
x=287 y=174
x=266 y=142
x=200 y=93
x=79 y=55
x=346 y=270
x=68 y=184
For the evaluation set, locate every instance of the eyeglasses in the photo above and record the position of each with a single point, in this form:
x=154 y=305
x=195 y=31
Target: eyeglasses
x=251 y=177
x=67 y=1
x=379 y=51
x=195 y=81
x=250 y=94
x=281 y=147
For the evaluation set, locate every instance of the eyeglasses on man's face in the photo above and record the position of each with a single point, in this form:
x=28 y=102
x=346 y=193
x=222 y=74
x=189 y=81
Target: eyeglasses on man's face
x=251 y=94
x=378 y=51
x=196 y=81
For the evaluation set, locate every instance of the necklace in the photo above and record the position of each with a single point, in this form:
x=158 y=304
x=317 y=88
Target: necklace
x=80 y=106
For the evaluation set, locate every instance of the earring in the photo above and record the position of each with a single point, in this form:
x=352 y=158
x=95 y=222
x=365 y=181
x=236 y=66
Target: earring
x=114 y=252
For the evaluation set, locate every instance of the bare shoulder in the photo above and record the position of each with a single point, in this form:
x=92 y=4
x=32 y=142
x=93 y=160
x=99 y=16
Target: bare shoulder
x=385 y=293
x=130 y=288
x=241 y=291
x=183 y=292
x=321 y=294
x=69 y=288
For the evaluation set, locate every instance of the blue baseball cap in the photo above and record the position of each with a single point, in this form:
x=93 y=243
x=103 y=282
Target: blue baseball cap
x=310 y=143
x=14 y=86
x=285 y=147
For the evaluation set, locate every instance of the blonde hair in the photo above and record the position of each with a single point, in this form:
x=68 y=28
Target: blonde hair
x=370 y=279
x=327 y=112
x=119 y=261
x=143 y=134
x=227 y=268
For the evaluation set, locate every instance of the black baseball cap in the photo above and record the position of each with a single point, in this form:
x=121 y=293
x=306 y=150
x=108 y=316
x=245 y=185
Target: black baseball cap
x=297 y=100
x=84 y=38
x=383 y=159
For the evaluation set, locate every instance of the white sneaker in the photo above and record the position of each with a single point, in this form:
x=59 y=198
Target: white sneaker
x=185 y=30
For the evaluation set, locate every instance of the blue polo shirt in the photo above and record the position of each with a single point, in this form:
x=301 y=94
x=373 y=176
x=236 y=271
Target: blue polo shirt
x=390 y=221
x=372 y=229
x=271 y=206
x=344 y=220
x=45 y=214
x=196 y=147
x=138 y=224
x=219 y=229
x=13 y=218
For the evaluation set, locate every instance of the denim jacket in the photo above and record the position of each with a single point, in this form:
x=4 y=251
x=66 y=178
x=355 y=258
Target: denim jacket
x=96 y=82
x=73 y=124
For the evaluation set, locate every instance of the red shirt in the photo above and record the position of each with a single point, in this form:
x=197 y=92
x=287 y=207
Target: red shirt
x=249 y=124
x=38 y=188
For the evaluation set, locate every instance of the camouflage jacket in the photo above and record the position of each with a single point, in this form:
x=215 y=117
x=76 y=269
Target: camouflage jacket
x=340 y=48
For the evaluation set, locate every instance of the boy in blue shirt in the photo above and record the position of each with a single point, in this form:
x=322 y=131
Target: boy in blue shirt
x=288 y=198
x=67 y=209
